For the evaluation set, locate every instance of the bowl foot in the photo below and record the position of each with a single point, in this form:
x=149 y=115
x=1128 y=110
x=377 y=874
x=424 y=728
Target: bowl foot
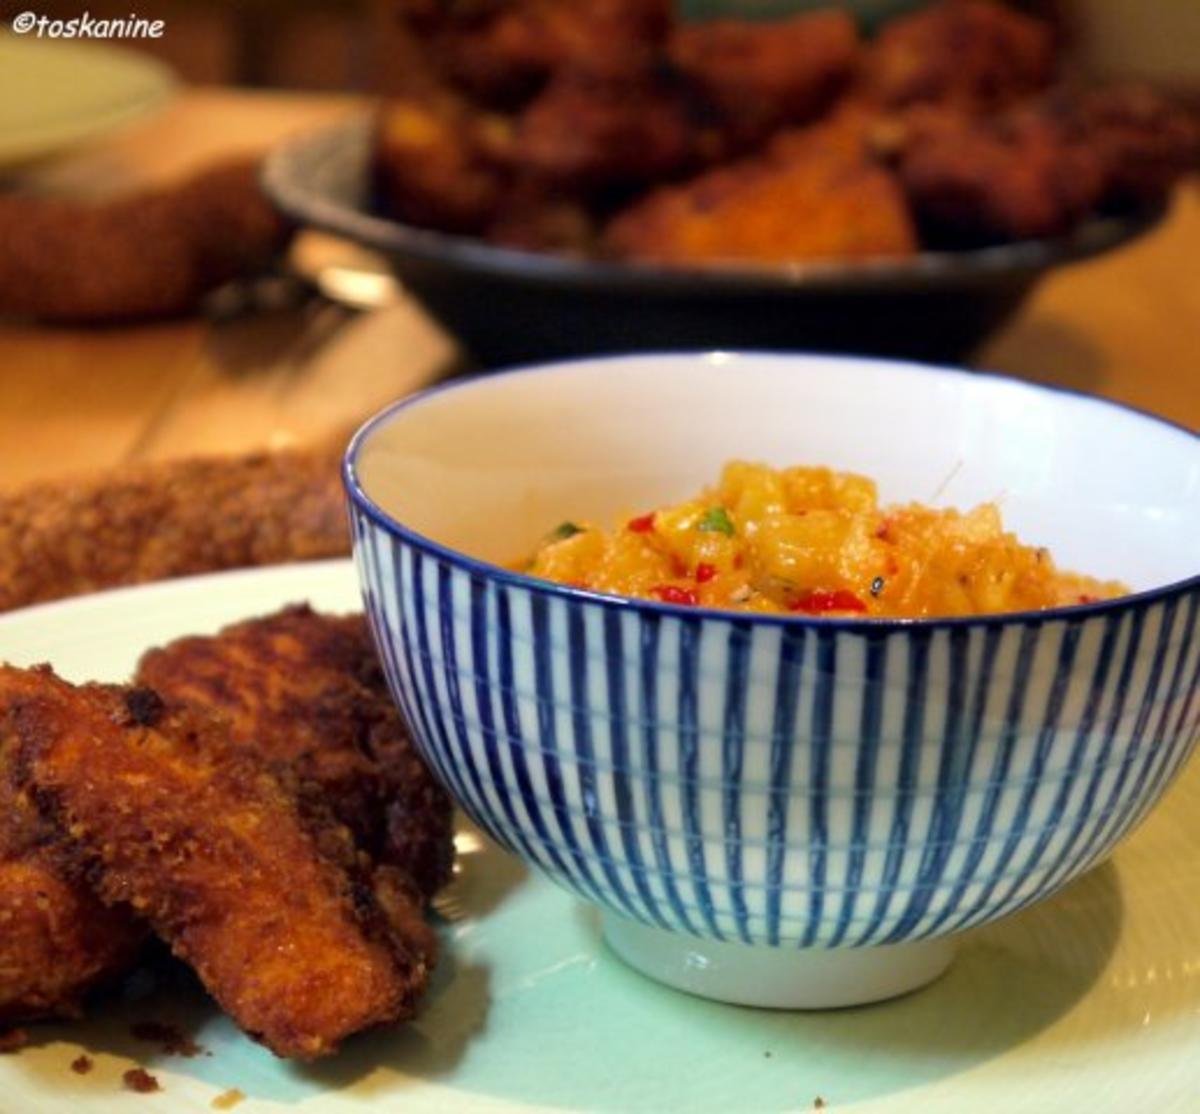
x=777 y=978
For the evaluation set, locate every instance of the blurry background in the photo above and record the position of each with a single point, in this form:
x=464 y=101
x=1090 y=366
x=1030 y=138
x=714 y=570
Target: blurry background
x=354 y=44
x=297 y=365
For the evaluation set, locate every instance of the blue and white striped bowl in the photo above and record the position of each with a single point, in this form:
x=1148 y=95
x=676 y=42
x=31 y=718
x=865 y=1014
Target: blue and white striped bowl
x=778 y=810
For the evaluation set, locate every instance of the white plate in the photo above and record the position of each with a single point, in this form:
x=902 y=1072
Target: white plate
x=1090 y=1002
x=58 y=93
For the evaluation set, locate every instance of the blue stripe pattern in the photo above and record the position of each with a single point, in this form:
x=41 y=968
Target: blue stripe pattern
x=793 y=786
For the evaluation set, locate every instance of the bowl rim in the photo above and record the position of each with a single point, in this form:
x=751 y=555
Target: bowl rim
x=477 y=567
x=300 y=200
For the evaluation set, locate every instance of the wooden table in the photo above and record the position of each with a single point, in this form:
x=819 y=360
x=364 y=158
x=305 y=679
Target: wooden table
x=1126 y=326
x=76 y=399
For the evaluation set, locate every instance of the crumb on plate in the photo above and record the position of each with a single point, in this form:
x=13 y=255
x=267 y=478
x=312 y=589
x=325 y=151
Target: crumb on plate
x=141 y=1081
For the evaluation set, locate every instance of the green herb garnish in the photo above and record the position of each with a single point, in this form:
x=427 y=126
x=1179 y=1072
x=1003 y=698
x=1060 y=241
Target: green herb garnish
x=716 y=520
x=563 y=531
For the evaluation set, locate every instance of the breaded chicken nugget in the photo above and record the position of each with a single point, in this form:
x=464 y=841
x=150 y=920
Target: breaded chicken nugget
x=146 y=522
x=976 y=54
x=149 y=255
x=1039 y=168
x=305 y=692
x=758 y=77
x=441 y=163
x=1018 y=175
x=258 y=893
x=813 y=195
x=502 y=52
x=57 y=941
x=598 y=129
x=1145 y=141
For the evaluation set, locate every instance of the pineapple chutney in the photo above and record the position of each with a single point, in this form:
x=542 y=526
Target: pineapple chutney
x=811 y=541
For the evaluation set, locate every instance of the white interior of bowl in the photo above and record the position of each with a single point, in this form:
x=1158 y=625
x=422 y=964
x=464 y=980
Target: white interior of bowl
x=489 y=466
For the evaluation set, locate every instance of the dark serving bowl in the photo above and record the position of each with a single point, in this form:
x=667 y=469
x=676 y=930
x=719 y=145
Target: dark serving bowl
x=510 y=306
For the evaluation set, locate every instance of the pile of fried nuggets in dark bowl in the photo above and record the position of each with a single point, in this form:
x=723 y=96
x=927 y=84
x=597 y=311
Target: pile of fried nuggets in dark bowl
x=612 y=130
x=253 y=800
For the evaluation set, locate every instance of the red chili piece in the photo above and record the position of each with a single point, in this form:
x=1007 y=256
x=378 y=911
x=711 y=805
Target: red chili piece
x=819 y=601
x=705 y=572
x=670 y=593
x=643 y=524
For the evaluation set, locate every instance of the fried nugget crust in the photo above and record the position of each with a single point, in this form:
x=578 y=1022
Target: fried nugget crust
x=441 y=163
x=1018 y=175
x=146 y=522
x=306 y=692
x=153 y=254
x=813 y=195
x=256 y=893
x=502 y=52
x=759 y=77
x=1145 y=141
x=57 y=940
x=976 y=54
x=599 y=129
x=1040 y=167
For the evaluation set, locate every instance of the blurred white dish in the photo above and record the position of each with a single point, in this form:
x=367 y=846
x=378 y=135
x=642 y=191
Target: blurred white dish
x=57 y=93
